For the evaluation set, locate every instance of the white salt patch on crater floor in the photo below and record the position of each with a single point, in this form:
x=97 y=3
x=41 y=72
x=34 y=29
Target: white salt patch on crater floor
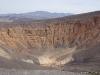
x=49 y=58
x=28 y=61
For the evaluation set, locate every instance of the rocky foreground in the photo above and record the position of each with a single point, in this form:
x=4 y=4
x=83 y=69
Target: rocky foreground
x=36 y=72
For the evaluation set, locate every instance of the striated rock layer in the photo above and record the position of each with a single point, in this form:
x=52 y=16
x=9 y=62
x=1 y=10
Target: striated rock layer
x=52 y=42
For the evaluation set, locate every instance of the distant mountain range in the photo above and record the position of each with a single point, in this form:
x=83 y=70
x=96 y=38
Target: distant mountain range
x=31 y=16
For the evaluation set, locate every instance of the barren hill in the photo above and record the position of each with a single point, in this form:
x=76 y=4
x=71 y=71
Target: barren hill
x=55 y=42
x=31 y=16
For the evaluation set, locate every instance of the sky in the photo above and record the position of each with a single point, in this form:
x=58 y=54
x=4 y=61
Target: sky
x=60 y=6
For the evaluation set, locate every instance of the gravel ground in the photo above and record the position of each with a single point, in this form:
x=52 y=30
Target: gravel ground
x=36 y=72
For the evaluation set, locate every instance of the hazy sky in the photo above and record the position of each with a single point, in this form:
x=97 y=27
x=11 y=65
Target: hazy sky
x=66 y=6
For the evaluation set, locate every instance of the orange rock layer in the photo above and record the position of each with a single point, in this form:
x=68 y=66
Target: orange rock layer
x=22 y=37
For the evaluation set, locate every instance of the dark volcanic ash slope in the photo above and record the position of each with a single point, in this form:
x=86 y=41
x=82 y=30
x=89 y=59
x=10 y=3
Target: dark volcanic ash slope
x=53 y=42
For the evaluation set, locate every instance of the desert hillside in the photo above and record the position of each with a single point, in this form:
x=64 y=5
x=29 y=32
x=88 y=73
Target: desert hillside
x=54 y=42
x=31 y=16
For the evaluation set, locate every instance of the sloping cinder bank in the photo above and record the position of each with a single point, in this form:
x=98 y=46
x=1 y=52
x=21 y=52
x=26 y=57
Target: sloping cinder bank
x=36 y=72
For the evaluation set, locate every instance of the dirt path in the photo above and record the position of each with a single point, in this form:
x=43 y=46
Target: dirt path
x=36 y=72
